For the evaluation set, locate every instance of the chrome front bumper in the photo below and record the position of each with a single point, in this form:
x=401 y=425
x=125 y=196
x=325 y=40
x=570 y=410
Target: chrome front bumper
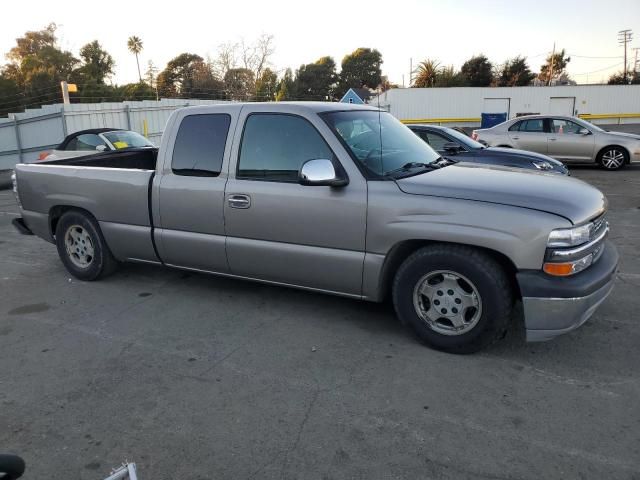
x=557 y=316
x=554 y=306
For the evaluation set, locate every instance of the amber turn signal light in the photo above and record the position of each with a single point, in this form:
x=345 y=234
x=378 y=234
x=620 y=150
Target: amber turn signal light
x=558 y=269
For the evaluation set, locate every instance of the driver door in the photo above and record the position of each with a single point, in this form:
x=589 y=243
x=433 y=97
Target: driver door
x=280 y=231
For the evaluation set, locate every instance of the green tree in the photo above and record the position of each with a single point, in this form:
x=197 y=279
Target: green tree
x=187 y=75
x=137 y=91
x=97 y=63
x=11 y=97
x=632 y=78
x=267 y=85
x=554 y=67
x=449 y=77
x=239 y=84
x=286 y=87
x=514 y=73
x=477 y=71
x=426 y=73
x=360 y=68
x=37 y=65
x=316 y=81
x=134 y=44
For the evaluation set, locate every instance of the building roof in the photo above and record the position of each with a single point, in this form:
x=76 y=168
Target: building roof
x=363 y=93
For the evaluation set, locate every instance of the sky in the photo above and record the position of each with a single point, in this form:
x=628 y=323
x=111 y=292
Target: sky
x=403 y=31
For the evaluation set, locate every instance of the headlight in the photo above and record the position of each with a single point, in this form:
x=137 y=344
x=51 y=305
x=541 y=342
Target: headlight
x=542 y=165
x=570 y=237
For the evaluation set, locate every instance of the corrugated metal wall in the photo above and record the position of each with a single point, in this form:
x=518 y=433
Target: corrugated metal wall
x=25 y=135
x=463 y=105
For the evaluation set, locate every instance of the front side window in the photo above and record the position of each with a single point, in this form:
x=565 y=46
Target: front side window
x=87 y=141
x=274 y=147
x=378 y=141
x=200 y=143
x=561 y=126
x=125 y=139
x=436 y=141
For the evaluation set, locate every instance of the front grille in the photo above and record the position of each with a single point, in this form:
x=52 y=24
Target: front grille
x=599 y=224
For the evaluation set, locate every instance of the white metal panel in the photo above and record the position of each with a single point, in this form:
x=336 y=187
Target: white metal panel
x=562 y=105
x=496 y=105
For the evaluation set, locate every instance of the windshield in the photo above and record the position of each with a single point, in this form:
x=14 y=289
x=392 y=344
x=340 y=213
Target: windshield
x=462 y=138
x=379 y=141
x=124 y=139
x=588 y=125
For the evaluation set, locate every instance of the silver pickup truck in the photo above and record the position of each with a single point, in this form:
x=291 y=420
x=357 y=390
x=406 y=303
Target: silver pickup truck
x=339 y=199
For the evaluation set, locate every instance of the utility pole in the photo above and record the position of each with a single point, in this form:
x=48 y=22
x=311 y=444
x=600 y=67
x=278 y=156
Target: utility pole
x=410 y=71
x=624 y=37
x=635 y=60
x=553 y=57
x=65 y=92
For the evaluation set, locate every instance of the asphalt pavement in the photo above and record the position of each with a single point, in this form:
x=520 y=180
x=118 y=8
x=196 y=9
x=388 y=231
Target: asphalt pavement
x=197 y=377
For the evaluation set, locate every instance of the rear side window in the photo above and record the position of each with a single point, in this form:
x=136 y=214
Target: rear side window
x=200 y=143
x=274 y=147
x=534 y=125
x=515 y=127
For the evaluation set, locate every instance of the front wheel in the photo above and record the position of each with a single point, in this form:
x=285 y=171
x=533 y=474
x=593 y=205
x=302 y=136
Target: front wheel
x=613 y=158
x=455 y=298
x=82 y=247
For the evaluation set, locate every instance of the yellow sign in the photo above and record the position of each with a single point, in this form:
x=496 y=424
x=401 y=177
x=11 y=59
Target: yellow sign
x=72 y=87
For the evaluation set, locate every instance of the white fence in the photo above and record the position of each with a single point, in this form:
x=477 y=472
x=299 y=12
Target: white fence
x=24 y=136
x=608 y=104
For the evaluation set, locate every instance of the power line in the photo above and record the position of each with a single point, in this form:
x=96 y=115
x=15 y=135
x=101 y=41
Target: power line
x=624 y=37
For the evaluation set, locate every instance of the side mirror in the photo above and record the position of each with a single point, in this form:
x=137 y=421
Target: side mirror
x=320 y=172
x=451 y=147
x=101 y=148
x=584 y=131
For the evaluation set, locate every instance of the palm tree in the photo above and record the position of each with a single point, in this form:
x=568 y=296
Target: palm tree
x=134 y=44
x=426 y=73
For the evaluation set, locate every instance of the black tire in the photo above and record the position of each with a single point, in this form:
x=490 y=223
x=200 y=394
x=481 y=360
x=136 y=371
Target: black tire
x=491 y=284
x=608 y=154
x=100 y=263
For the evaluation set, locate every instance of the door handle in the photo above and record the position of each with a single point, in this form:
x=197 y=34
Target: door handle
x=552 y=139
x=516 y=138
x=239 y=201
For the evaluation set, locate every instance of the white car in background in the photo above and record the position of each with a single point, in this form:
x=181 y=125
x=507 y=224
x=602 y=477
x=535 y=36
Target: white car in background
x=96 y=140
x=568 y=139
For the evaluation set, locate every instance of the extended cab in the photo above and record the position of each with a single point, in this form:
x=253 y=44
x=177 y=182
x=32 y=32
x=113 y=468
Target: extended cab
x=340 y=199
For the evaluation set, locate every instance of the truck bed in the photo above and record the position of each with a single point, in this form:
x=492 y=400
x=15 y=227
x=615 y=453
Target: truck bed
x=113 y=187
x=139 y=158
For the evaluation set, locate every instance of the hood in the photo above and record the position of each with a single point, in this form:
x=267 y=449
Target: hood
x=524 y=154
x=568 y=197
x=623 y=134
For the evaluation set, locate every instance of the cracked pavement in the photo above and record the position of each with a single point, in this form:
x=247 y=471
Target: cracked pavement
x=197 y=377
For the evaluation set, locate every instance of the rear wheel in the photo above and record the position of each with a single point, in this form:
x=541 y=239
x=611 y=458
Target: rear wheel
x=455 y=298
x=82 y=247
x=613 y=158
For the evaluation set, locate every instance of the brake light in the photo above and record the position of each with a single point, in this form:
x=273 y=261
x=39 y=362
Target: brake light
x=43 y=156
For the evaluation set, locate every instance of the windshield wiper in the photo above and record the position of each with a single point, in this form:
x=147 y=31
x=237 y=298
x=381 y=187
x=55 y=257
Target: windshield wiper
x=410 y=166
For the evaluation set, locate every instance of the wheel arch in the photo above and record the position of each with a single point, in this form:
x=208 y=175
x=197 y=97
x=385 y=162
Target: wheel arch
x=613 y=145
x=56 y=212
x=402 y=250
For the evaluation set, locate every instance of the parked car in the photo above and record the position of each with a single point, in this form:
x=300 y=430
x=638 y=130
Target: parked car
x=96 y=140
x=453 y=144
x=340 y=199
x=569 y=139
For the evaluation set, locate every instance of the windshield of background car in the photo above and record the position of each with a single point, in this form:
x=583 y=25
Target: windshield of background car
x=124 y=139
x=462 y=138
x=378 y=140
